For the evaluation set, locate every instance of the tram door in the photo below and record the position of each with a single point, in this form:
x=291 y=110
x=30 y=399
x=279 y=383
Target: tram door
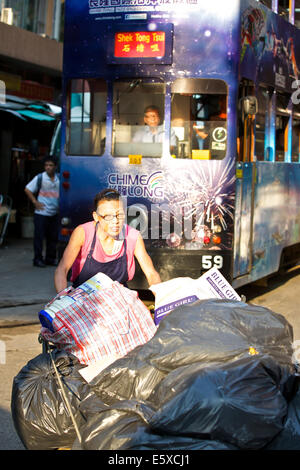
x=245 y=183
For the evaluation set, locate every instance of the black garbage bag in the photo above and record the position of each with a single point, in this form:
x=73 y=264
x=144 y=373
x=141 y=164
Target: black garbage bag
x=211 y=330
x=123 y=427
x=215 y=370
x=239 y=402
x=289 y=438
x=40 y=415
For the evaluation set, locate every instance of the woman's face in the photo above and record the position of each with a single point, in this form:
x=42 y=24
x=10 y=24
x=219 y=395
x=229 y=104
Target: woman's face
x=111 y=216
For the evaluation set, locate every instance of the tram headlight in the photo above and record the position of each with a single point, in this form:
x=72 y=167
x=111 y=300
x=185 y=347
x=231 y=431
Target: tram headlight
x=65 y=221
x=216 y=239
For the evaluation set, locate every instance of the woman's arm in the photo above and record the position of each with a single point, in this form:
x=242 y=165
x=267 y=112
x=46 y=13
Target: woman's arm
x=70 y=254
x=146 y=262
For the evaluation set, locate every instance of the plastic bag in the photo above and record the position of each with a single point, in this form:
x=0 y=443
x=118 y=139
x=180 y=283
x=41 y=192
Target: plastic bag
x=216 y=370
x=40 y=415
x=110 y=321
x=207 y=331
x=289 y=438
x=70 y=296
x=122 y=428
x=239 y=402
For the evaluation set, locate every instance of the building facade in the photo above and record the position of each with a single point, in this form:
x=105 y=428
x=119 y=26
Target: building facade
x=31 y=49
x=31 y=33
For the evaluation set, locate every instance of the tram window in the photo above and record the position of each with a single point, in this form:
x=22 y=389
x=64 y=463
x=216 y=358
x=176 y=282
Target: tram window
x=282 y=125
x=138 y=118
x=86 y=117
x=260 y=126
x=296 y=134
x=199 y=119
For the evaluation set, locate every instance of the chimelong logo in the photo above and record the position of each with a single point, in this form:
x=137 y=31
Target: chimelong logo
x=143 y=186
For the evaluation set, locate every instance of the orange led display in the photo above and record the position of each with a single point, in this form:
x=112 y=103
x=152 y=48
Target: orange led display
x=140 y=44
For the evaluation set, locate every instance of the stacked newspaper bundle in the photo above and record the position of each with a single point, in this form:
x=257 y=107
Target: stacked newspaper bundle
x=185 y=290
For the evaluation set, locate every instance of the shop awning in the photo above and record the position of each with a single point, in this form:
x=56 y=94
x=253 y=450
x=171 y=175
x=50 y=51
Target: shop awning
x=24 y=109
x=34 y=115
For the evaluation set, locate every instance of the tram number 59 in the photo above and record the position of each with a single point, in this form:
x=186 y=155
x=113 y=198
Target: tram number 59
x=209 y=261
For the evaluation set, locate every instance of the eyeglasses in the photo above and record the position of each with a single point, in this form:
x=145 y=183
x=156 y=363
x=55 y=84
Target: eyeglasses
x=110 y=217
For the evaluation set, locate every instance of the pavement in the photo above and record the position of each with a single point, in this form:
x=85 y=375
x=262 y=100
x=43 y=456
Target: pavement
x=24 y=288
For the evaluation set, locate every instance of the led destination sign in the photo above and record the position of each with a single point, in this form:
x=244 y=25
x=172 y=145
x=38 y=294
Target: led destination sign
x=140 y=44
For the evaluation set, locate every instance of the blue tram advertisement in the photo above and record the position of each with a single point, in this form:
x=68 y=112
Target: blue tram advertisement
x=218 y=183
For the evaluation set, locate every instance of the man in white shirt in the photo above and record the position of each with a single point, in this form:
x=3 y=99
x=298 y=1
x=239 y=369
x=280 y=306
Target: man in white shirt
x=46 y=203
x=153 y=131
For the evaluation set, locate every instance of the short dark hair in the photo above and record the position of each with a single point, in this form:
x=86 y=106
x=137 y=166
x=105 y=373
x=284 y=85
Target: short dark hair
x=50 y=158
x=152 y=107
x=108 y=194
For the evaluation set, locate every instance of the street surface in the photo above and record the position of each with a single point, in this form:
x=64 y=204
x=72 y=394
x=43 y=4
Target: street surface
x=25 y=289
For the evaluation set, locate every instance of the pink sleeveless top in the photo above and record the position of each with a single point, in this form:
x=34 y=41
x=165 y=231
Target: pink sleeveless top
x=131 y=235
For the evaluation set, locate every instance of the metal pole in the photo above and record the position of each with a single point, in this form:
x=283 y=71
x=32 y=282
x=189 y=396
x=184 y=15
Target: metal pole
x=56 y=19
x=292 y=11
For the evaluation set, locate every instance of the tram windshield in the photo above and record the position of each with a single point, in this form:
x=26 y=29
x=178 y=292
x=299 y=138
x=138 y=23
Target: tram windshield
x=199 y=118
x=86 y=130
x=138 y=118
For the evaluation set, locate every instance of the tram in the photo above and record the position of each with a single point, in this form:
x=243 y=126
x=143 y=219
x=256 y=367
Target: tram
x=219 y=185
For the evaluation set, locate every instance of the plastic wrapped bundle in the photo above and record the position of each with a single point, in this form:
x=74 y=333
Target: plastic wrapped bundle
x=127 y=430
x=40 y=415
x=217 y=331
x=216 y=370
x=238 y=404
x=109 y=322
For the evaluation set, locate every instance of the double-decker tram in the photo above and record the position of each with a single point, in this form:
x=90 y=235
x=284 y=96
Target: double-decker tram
x=217 y=182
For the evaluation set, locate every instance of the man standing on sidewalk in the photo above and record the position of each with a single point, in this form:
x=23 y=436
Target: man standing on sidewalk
x=43 y=192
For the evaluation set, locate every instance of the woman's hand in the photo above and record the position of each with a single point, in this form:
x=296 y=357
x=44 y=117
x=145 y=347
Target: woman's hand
x=145 y=262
